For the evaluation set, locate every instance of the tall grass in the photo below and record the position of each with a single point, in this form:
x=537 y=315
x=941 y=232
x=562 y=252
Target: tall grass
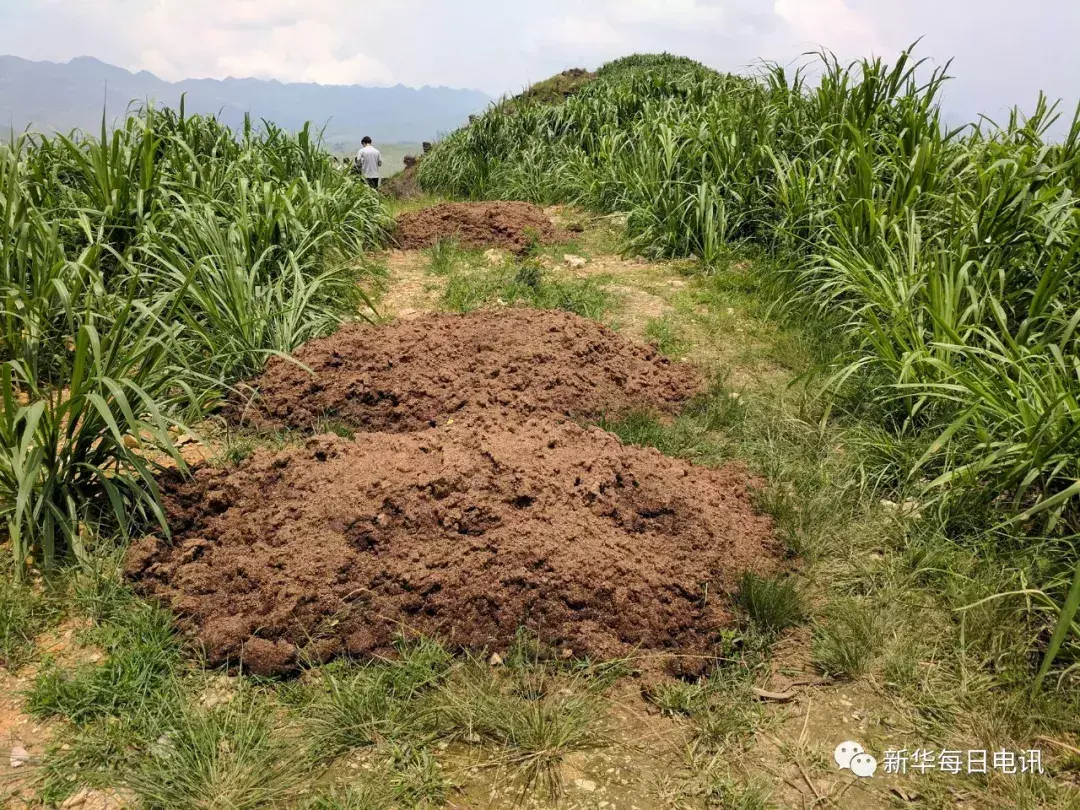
x=945 y=261
x=142 y=272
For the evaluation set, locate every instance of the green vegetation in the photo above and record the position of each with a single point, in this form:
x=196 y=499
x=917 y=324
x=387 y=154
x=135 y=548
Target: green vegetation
x=472 y=284
x=847 y=640
x=773 y=605
x=141 y=274
x=942 y=263
x=142 y=654
x=24 y=612
x=537 y=716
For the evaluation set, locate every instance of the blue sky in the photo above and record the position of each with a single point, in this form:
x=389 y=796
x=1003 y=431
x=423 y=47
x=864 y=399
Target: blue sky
x=1005 y=51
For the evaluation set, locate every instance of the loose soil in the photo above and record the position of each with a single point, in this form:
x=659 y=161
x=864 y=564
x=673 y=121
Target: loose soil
x=413 y=374
x=465 y=532
x=513 y=225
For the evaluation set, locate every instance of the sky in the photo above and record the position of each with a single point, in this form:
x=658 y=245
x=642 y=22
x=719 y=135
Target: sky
x=1004 y=51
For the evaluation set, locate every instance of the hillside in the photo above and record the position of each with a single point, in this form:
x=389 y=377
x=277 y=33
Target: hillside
x=54 y=96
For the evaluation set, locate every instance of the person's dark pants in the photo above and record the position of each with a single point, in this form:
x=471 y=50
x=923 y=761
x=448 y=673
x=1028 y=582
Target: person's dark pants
x=373 y=182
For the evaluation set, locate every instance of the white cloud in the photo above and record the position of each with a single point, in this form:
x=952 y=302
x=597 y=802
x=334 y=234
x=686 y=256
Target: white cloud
x=593 y=32
x=829 y=23
x=290 y=40
x=304 y=51
x=667 y=13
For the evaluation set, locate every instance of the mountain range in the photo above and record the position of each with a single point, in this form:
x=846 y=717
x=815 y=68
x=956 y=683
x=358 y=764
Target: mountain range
x=51 y=96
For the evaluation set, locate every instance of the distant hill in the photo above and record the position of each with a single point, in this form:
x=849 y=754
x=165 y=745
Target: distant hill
x=49 y=96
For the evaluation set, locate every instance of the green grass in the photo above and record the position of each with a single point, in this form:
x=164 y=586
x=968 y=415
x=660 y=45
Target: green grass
x=142 y=656
x=444 y=257
x=143 y=272
x=773 y=605
x=536 y=717
x=233 y=756
x=721 y=709
x=25 y=612
x=403 y=777
x=363 y=705
x=847 y=639
x=526 y=283
x=663 y=333
x=556 y=88
x=696 y=434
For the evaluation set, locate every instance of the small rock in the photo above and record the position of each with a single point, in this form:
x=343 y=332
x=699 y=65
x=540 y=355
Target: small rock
x=19 y=756
x=496 y=660
x=585 y=784
x=574 y=262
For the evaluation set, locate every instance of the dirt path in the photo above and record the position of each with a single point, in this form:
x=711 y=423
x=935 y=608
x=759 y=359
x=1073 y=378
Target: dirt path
x=696 y=320
x=758 y=732
x=709 y=322
x=412 y=291
x=661 y=302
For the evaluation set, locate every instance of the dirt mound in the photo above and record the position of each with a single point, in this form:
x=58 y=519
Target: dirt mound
x=513 y=225
x=465 y=533
x=409 y=375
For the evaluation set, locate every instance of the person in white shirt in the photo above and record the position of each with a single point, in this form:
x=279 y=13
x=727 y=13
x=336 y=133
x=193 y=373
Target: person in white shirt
x=368 y=161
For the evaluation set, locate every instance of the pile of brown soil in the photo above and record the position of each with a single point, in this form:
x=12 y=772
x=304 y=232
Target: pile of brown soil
x=464 y=532
x=411 y=374
x=513 y=225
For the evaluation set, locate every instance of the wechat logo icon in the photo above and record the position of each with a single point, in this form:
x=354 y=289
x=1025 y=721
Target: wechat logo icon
x=850 y=755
